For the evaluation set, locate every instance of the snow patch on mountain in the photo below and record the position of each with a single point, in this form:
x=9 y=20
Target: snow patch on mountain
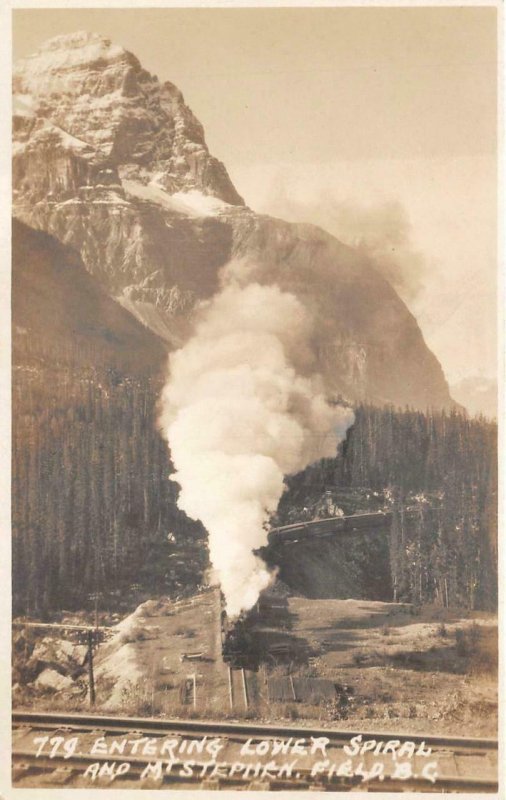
x=65 y=53
x=151 y=317
x=192 y=203
x=201 y=204
x=98 y=93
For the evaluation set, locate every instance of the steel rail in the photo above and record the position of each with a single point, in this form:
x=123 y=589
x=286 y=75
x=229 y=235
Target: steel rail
x=27 y=760
x=157 y=726
x=61 y=768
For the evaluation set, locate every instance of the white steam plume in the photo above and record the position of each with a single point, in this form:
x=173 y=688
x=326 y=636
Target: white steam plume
x=242 y=408
x=382 y=231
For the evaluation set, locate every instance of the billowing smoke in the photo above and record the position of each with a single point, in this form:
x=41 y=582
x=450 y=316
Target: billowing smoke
x=382 y=231
x=243 y=407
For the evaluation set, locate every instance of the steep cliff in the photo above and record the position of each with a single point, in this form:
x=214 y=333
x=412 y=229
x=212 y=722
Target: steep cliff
x=115 y=164
x=95 y=114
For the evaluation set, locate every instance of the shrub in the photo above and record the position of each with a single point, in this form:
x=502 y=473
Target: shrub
x=137 y=634
x=181 y=631
x=461 y=643
x=474 y=633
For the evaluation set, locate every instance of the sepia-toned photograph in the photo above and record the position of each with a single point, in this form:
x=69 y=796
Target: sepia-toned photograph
x=254 y=489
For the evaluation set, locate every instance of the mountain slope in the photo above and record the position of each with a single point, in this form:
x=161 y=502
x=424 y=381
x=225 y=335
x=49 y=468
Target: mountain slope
x=114 y=163
x=59 y=310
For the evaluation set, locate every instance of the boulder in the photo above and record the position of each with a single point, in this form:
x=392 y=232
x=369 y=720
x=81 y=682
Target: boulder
x=51 y=679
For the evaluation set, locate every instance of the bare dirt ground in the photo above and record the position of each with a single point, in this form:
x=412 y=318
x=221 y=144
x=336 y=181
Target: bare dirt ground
x=429 y=670
x=426 y=670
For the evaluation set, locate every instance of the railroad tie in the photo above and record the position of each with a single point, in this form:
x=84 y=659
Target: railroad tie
x=58 y=777
x=259 y=786
x=20 y=771
x=212 y=784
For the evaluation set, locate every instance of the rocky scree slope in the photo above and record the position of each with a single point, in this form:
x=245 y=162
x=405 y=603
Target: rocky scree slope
x=112 y=162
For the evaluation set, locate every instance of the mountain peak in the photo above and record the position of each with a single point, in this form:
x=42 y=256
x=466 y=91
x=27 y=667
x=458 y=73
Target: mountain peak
x=75 y=40
x=83 y=98
x=68 y=52
x=113 y=162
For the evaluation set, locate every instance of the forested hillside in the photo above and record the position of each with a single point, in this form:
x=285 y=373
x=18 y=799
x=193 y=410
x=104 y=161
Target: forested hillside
x=94 y=511
x=93 y=508
x=437 y=472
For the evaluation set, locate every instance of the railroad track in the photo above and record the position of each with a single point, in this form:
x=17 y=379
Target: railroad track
x=100 y=751
x=239 y=688
x=368 y=522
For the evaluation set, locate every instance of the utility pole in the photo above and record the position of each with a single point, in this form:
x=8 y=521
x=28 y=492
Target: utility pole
x=95 y=597
x=91 y=677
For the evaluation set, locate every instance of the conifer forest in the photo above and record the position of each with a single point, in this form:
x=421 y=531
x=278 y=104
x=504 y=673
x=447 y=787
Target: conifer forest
x=94 y=509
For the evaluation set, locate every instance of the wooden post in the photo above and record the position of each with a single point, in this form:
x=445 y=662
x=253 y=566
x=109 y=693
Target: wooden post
x=230 y=687
x=90 y=668
x=245 y=689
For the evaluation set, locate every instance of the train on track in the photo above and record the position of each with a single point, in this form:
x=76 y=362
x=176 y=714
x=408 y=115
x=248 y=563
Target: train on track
x=238 y=640
x=330 y=526
x=241 y=639
x=260 y=634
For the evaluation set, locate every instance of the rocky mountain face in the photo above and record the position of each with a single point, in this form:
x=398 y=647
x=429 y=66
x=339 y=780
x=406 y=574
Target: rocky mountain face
x=112 y=162
x=96 y=116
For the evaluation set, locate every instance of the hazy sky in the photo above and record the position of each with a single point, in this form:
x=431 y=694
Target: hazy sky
x=381 y=119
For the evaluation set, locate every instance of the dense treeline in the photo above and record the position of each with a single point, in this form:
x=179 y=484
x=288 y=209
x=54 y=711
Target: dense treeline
x=437 y=472
x=94 y=511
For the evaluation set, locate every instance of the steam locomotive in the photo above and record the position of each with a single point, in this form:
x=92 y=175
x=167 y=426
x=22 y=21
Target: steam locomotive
x=238 y=640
